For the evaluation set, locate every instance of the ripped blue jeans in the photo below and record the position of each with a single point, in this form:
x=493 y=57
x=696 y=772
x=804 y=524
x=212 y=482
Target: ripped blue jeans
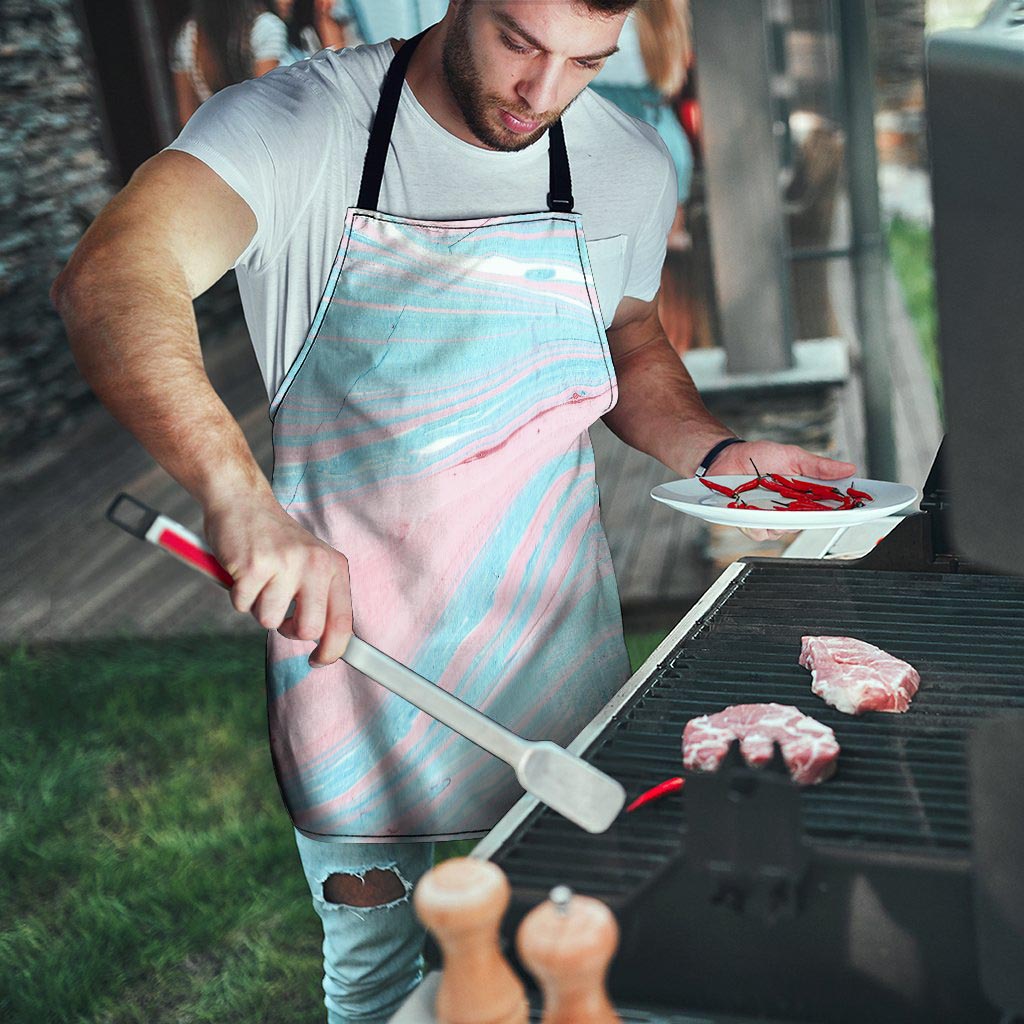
x=372 y=954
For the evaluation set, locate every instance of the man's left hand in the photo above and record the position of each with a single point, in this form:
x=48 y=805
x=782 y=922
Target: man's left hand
x=771 y=457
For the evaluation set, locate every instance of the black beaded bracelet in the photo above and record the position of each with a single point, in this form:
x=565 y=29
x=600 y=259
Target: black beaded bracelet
x=705 y=463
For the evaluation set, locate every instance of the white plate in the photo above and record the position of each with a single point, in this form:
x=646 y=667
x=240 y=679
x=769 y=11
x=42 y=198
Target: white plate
x=693 y=498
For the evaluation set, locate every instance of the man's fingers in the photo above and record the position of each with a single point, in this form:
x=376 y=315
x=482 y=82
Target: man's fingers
x=271 y=607
x=819 y=468
x=307 y=621
x=762 y=535
x=287 y=628
x=247 y=588
x=338 y=623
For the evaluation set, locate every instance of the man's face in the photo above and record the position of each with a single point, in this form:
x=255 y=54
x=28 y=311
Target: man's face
x=513 y=66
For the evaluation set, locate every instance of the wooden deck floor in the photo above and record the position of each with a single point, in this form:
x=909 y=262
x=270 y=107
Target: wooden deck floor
x=72 y=575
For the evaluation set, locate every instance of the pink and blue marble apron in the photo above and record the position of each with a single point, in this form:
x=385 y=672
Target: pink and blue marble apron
x=434 y=429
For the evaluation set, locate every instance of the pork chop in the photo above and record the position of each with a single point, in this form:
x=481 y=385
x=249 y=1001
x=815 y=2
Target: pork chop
x=854 y=677
x=809 y=748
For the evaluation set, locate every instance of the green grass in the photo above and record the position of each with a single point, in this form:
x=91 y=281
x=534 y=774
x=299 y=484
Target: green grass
x=147 y=867
x=910 y=246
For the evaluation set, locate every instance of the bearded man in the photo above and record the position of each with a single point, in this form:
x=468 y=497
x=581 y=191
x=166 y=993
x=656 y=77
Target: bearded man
x=448 y=252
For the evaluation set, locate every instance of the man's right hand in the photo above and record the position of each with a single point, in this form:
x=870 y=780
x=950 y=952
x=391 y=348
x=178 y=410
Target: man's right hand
x=274 y=561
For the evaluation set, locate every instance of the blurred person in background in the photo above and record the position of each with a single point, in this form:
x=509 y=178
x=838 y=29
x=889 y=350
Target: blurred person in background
x=647 y=75
x=221 y=43
x=373 y=21
x=314 y=25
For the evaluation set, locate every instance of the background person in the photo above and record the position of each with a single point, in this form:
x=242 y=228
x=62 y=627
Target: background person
x=373 y=21
x=648 y=73
x=313 y=25
x=221 y=43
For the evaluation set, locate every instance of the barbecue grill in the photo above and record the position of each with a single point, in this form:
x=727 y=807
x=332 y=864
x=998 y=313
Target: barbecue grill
x=893 y=892
x=848 y=901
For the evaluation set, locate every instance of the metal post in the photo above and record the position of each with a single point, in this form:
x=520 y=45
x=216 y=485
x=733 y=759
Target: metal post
x=748 y=236
x=868 y=239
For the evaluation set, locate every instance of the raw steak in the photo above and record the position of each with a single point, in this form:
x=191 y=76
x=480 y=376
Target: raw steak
x=809 y=748
x=855 y=677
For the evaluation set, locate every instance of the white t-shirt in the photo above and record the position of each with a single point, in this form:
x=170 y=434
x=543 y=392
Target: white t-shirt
x=292 y=144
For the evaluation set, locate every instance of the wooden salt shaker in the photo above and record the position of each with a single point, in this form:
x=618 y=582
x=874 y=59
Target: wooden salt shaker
x=462 y=902
x=567 y=943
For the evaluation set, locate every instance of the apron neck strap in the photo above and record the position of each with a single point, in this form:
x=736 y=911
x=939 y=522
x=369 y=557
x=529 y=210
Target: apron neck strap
x=559 y=197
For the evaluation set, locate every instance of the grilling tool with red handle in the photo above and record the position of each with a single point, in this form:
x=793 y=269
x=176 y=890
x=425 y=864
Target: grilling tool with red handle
x=566 y=783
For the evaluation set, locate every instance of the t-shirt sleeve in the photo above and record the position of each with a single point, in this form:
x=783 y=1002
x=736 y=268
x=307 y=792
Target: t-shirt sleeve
x=651 y=240
x=268 y=139
x=269 y=38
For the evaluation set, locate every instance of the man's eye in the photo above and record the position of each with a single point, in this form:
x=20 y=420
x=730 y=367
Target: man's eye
x=589 y=65
x=514 y=47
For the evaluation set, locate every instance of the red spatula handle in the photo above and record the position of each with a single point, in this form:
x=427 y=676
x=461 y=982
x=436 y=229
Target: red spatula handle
x=147 y=524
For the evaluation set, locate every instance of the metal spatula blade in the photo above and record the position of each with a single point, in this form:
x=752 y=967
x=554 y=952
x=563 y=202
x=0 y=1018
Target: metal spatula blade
x=563 y=781
x=577 y=790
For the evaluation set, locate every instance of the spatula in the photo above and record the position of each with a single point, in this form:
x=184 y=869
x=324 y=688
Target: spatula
x=563 y=781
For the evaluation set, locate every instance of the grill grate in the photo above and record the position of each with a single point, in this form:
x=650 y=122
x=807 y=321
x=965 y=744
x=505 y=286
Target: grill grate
x=902 y=779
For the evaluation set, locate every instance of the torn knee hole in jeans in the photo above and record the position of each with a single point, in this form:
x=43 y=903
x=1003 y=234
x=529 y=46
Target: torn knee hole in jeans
x=376 y=887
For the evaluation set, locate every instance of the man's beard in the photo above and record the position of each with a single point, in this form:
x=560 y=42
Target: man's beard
x=464 y=83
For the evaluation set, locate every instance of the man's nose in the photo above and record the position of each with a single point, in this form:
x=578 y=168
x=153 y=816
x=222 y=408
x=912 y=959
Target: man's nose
x=539 y=90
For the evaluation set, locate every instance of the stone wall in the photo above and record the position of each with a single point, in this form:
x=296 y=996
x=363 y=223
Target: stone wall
x=54 y=178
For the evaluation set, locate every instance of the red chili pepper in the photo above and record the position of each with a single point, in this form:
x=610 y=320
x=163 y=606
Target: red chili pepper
x=808 y=487
x=656 y=793
x=789 y=492
x=749 y=485
x=773 y=485
x=806 y=505
x=793 y=485
x=863 y=495
x=721 y=488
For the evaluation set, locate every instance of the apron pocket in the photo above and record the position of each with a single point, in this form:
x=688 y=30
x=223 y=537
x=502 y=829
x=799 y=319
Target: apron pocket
x=607 y=263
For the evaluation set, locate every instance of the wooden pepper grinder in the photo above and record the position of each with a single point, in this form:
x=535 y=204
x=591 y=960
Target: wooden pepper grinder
x=567 y=943
x=462 y=902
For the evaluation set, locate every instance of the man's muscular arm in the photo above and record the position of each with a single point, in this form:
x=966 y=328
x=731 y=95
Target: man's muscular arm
x=126 y=301
x=659 y=410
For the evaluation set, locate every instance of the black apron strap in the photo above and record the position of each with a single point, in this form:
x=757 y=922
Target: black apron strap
x=383 y=123
x=560 y=198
